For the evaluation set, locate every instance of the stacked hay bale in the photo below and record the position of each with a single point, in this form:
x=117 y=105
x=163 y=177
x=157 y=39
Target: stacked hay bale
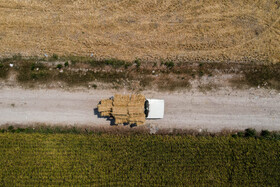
x=119 y=110
x=136 y=109
x=105 y=107
x=124 y=109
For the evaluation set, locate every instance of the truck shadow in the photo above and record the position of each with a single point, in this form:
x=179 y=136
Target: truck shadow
x=112 y=120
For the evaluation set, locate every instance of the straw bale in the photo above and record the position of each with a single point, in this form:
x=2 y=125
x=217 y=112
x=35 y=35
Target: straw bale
x=105 y=114
x=120 y=120
x=124 y=109
x=119 y=111
x=135 y=110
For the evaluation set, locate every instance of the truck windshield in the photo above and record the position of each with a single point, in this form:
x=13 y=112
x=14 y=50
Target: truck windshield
x=146 y=108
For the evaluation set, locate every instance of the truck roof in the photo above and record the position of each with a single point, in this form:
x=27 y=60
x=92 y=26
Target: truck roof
x=156 y=109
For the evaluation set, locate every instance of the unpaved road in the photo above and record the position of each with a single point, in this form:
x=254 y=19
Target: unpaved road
x=214 y=111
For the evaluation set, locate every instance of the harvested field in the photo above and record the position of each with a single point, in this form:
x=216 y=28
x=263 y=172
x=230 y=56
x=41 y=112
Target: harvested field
x=151 y=30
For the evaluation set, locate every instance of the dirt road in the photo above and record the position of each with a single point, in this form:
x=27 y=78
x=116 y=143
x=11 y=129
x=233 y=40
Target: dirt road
x=213 y=111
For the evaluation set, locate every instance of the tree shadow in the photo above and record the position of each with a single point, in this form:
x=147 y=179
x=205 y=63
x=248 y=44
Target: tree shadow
x=111 y=119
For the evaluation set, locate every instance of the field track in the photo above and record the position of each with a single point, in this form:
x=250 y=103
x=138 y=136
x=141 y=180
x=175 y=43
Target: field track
x=213 y=111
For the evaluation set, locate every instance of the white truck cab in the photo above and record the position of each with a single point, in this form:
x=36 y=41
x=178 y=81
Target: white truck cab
x=154 y=108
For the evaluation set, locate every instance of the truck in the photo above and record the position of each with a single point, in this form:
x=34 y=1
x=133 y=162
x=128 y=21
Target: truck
x=134 y=109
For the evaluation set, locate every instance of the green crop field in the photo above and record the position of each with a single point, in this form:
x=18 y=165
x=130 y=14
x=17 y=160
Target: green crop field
x=157 y=160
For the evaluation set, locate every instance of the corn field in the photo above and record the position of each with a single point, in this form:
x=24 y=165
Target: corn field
x=129 y=160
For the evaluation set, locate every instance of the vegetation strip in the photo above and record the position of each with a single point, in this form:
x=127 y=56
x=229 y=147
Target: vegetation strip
x=165 y=75
x=76 y=158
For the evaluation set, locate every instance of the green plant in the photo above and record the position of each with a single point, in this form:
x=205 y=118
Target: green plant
x=138 y=63
x=75 y=157
x=55 y=56
x=250 y=132
x=10 y=128
x=66 y=64
x=4 y=70
x=126 y=65
x=94 y=86
x=240 y=134
x=17 y=57
x=59 y=66
x=169 y=64
x=115 y=63
x=265 y=133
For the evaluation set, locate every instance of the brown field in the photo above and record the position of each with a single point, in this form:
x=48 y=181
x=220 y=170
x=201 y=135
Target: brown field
x=186 y=30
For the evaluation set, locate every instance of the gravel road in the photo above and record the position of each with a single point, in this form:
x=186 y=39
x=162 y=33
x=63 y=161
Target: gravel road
x=214 y=111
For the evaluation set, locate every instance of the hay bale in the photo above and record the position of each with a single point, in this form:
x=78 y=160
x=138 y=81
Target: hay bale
x=135 y=110
x=119 y=111
x=124 y=109
x=121 y=100
x=121 y=119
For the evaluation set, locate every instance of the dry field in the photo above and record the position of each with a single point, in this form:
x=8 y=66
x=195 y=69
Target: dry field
x=190 y=30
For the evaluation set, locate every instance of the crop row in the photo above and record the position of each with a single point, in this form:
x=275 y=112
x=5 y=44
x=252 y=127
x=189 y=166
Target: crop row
x=104 y=159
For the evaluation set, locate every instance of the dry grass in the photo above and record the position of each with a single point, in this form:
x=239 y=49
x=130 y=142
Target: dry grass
x=218 y=30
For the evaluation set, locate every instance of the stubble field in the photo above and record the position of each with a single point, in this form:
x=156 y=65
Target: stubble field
x=215 y=30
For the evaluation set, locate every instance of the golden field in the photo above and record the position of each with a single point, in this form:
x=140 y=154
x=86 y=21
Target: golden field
x=185 y=30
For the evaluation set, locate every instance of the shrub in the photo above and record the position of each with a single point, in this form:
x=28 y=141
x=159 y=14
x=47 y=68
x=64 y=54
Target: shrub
x=240 y=134
x=265 y=133
x=66 y=64
x=94 y=86
x=10 y=128
x=138 y=63
x=2 y=130
x=126 y=65
x=18 y=130
x=4 y=69
x=250 y=132
x=59 y=66
x=169 y=64
x=115 y=63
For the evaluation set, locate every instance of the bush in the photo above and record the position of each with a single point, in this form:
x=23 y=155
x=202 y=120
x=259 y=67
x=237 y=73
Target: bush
x=126 y=65
x=240 y=134
x=94 y=86
x=250 y=132
x=66 y=64
x=4 y=69
x=59 y=66
x=169 y=64
x=138 y=63
x=115 y=63
x=18 y=130
x=10 y=128
x=265 y=133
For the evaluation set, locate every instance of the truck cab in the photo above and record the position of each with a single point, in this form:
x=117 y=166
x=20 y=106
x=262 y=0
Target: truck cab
x=154 y=108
